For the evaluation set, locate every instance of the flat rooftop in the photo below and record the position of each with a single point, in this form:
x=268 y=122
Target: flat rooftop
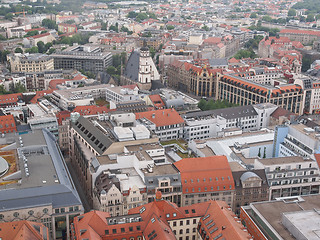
x=165 y=169
x=283 y=160
x=272 y=211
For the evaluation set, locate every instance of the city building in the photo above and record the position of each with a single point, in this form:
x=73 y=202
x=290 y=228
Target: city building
x=85 y=58
x=244 y=92
x=23 y=229
x=107 y=145
x=67 y=28
x=290 y=176
x=285 y=218
x=250 y=186
x=297 y=140
x=37 y=186
x=40 y=119
x=141 y=70
x=167 y=124
x=190 y=78
x=161 y=219
x=304 y=36
x=69 y=99
x=7 y=124
x=214 y=183
x=30 y=62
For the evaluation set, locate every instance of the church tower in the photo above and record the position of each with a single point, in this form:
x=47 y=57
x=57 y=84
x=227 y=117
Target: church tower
x=145 y=67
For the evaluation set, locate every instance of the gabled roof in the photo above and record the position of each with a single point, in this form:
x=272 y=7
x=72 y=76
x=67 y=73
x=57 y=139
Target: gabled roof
x=132 y=68
x=98 y=140
x=219 y=222
x=206 y=174
x=164 y=117
x=22 y=230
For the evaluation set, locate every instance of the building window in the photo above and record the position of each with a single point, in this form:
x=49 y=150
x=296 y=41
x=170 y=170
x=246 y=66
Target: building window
x=174 y=223
x=181 y=223
x=45 y=210
x=1 y=216
x=31 y=212
x=16 y=214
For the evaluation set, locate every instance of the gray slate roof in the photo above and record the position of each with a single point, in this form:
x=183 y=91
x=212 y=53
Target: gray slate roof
x=132 y=68
x=85 y=128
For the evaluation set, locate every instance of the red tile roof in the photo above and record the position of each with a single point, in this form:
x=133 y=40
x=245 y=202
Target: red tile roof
x=62 y=116
x=23 y=230
x=9 y=99
x=157 y=101
x=39 y=36
x=53 y=83
x=205 y=174
x=40 y=94
x=219 y=220
x=163 y=117
x=91 y=110
x=302 y=32
x=7 y=124
x=35 y=29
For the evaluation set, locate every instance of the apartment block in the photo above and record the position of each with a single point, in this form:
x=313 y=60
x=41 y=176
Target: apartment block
x=244 y=92
x=84 y=58
x=161 y=219
x=290 y=176
x=214 y=183
x=30 y=62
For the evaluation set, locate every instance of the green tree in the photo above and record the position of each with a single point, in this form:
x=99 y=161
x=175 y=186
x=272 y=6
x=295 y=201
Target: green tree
x=51 y=50
x=132 y=14
x=170 y=27
x=32 y=50
x=306 y=62
x=310 y=18
x=253 y=15
x=112 y=70
x=41 y=47
x=18 y=50
x=116 y=60
x=19 y=88
x=292 y=12
x=152 y=52
x=266 y=18
x=259 y=153
x=264 y=152
x=9 y=16
x=49 y=24
x=31 y=33
x=205 y=27
x=113 y=28
x=244 y=53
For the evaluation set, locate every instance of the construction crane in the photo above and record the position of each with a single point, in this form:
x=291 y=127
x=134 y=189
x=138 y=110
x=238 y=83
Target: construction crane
x=24 y=13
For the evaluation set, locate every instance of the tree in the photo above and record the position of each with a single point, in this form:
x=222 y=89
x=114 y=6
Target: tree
x=292 y=12
x=205 y=27
x=243 y=53
x=113 y=28
x=19 y=88
x=41 y=47
x=132 y=14
x=310 y=18
x=116 y=60
x=170 y=27
x=266 y=18
x=253 y=15
x=31 y=33
x=152 y=52
x=49 y=24
x=259 y=153
x=51 y=50
x=306 y=62
x=32 y=50
x=9 y=16
x=18 y=50
x=112 y=70
x=264 y=152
